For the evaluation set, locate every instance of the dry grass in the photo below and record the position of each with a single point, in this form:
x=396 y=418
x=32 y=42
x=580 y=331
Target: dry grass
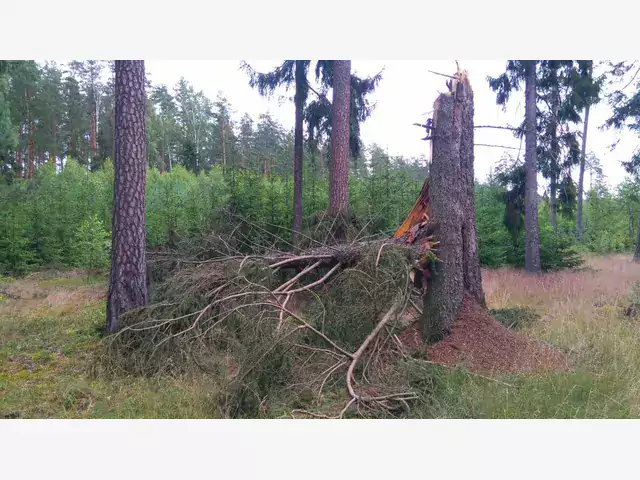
x=582 y=312
x=603 y=279
x=40 y=294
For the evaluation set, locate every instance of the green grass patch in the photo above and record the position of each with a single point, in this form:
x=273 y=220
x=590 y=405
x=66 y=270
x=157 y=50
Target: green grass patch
x=456 y=393
x=515 y=318
x=45 y=372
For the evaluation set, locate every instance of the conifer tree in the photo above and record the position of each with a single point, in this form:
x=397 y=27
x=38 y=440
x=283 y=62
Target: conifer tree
x=128 y=276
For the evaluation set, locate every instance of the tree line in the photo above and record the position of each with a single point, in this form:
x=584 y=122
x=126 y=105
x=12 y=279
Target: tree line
x=558 y=98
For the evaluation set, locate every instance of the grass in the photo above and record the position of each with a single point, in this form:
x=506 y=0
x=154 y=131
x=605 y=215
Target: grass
x=49 y=333
x=581 y=312
x=46 y=356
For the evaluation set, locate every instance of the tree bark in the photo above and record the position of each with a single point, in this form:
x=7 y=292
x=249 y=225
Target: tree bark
x=224 y=145
x=555 y=154
x=54 y=135
x=128 y=276
x=339 y=173
x=532 y=236
x=451 y=202
x=581 y=177
x=94 y=132
x=471 y=259
x=19 y=164
x=31 y=151
x=301 y=80
x=636 y=255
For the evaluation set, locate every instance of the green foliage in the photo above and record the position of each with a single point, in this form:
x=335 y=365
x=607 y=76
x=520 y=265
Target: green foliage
x=611 y=218
x=557 y=250
x=495 y=244
x=91 y=244
x=499 y=247
x=41 y=219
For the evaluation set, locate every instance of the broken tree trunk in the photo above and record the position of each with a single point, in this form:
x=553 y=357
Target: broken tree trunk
x=448 y=197
x=471 y=260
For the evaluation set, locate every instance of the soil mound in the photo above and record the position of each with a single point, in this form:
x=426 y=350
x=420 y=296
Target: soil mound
x=481 y=344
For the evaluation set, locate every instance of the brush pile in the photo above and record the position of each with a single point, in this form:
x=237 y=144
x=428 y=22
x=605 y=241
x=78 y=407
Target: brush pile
x=274 y=326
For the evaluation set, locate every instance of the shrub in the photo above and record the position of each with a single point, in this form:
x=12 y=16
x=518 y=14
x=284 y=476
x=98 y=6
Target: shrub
x=91 y=244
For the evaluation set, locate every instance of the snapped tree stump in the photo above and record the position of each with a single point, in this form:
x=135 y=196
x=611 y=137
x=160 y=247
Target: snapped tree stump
x=444 y=212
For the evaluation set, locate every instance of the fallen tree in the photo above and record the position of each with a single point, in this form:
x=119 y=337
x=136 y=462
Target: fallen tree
x=272 y=321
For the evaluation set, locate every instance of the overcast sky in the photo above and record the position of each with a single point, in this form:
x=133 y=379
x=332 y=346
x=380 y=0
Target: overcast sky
x=404 y=96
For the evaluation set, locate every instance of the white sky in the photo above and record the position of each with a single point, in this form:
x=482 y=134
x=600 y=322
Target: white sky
x=405 y=94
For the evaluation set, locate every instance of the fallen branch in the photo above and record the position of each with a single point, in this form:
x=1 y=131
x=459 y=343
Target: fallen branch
x=311 y=285
x=356 y=356
x=307 y=325
x=284 y=286
x=379 y=253
x=413 y=304
x=295 y=259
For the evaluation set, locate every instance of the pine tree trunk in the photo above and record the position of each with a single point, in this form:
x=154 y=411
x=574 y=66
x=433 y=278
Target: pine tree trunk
x=71 y=149
x=581 y=178
x=636 y=255
x=532 y=236
x=339 y=174
x=553 y=207
x=54 y=136
x=224 y=147
x=128 y=276
x=113 y=129
x=31 y=151
x=451 y=205
x=296 y=225
x=555 y=155
x=94 y=143
x=19 y=163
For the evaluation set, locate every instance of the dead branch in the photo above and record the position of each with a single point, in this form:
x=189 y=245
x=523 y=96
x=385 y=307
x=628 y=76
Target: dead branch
x=330 y=371
x=496 y=127
x=320 y=95
x=311 y=285
x=316 y=349
x=284 y=286
x=418 y=309
x=356 y=356
x=281 y=316
x=442 y=74
x=307 y=325
x=494 y=146
x=298 y=258
x=379 y=253
x=632 y=79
